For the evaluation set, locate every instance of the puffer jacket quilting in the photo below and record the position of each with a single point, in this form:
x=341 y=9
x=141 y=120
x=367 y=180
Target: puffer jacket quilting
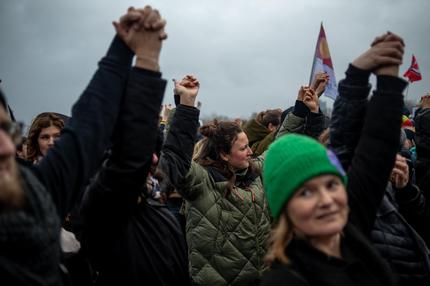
x=226 y=234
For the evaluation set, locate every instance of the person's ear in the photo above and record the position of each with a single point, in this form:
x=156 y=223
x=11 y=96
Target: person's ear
x=224 y=157
x=271 y=127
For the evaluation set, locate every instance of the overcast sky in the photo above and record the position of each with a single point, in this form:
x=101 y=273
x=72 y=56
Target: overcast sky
x=249 y=55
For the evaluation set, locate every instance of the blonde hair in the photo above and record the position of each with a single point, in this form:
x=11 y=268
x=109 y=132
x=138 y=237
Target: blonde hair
x=198 y=148
x=279 y=239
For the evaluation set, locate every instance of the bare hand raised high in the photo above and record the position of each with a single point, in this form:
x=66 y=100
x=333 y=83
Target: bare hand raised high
x=187 y=89
x=143 y=31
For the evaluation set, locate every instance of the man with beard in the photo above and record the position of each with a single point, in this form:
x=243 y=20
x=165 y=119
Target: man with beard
x=11 y=194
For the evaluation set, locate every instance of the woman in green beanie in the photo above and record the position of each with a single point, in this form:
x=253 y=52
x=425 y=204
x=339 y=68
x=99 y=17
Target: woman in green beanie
x=324 y=215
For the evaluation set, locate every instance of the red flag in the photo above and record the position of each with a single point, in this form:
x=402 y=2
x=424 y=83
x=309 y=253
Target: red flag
x=413 y=73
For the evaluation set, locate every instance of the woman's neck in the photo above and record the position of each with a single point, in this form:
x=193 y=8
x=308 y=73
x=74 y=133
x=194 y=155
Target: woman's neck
x=329 y=245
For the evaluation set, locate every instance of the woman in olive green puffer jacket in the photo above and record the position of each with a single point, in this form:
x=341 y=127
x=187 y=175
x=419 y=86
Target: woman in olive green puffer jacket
x=227 y=216
x=226 y=210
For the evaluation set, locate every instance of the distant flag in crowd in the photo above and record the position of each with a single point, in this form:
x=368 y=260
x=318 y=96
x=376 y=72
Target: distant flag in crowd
x=413 y=73
x=322 y=63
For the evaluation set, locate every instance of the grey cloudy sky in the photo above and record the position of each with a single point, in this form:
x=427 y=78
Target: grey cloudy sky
x=249 y=55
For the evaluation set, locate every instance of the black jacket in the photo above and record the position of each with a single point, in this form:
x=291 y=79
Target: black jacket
x=132 y=240
x=313 y=122
x=396 y=240
x=422 y=167
x=29 y=237
x=361 y=264
x=422 y=138
x=367 y=177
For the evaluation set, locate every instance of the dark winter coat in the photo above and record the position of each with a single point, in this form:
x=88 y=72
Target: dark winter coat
x=396 y=240
x=422 y=139
x=29 y=237
x=132 y=240
x=367 y=177
x=422 y=168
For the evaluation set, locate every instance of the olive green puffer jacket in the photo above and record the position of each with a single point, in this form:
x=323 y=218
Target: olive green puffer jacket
x=226 y=233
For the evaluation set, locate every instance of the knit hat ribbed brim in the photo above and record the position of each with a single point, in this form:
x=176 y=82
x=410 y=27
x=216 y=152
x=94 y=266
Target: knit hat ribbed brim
x=290 y=162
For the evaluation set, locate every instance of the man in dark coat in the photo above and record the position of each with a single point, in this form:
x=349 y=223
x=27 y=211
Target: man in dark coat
x=34 y=200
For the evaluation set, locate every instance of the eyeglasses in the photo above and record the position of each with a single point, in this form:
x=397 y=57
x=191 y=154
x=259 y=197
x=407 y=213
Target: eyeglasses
x=14 y=130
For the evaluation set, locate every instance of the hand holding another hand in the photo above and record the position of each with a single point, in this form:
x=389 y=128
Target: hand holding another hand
x=143 y=31
x=320 y=83
x=309 y=98
x=384 y=56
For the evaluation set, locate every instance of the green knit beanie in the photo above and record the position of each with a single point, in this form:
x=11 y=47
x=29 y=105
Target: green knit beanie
x=290 y=162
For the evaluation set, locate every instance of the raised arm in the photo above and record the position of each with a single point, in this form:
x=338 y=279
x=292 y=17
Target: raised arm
x=77 y=155
x=376 y=150
x=178 y=147
x=306 y=117
x=122 y=176
x=350 y=106
x=348 y=114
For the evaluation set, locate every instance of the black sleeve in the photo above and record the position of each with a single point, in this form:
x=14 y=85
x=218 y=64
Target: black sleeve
x=314 y=122
x=314 y=125
x=282 y=275
x=422 y=137
x=178 y=147
x=300 y=109
x=375 y=153
x=77 y=154
x=422 y=140
x=124 y=173
x=112 y=197
x=348 y=115
x=414 y=207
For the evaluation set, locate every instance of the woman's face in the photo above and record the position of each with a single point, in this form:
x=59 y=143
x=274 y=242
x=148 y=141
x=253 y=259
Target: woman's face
x=46 y=138
x=319 y=208
x=240 y=153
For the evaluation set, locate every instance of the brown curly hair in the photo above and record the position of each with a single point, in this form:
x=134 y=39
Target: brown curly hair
x=219 y=139
x=43 y=120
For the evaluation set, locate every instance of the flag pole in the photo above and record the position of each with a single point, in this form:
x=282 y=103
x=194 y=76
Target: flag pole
x=407 y=89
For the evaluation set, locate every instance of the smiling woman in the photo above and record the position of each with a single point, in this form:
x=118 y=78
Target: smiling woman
x=324 y=217
x=228 y=221
x=313 y=188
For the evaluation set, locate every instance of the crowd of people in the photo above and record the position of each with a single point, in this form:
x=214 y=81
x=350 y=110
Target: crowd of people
x=116 y=194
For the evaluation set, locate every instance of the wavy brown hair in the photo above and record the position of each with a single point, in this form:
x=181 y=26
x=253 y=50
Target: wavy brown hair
x=219 y=138
x=43 y=120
